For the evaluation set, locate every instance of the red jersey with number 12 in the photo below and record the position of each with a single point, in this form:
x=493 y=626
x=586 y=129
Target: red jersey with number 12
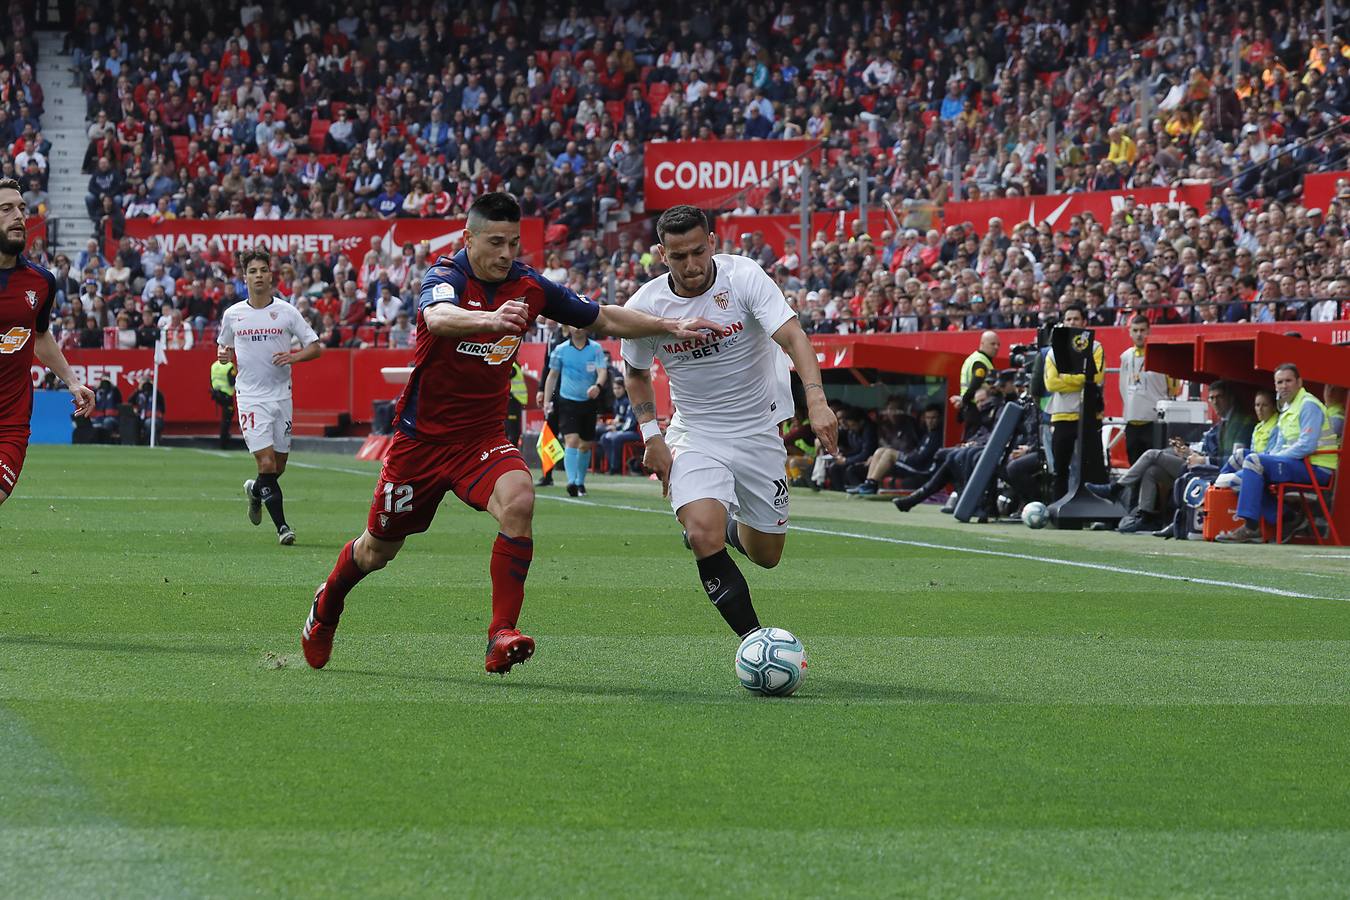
x=26 y=294
x=459 y=385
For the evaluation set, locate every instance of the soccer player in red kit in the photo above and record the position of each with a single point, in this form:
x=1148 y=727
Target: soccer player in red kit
x=27 y=292
x=450 y=422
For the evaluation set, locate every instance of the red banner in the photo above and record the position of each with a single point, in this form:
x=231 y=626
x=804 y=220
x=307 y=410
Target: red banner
x=1059 y=209
x=831 y=226
x=1319 y=189
x=709 y=174
x=352 y=237
x=37 y=228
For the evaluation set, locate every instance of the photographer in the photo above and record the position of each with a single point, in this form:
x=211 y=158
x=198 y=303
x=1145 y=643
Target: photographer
x=1026 y=461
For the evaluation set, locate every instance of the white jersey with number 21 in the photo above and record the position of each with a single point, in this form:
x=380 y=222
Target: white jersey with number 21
x=735 y=383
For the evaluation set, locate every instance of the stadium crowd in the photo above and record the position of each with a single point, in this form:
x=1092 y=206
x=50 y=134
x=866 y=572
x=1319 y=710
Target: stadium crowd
x=229 y=112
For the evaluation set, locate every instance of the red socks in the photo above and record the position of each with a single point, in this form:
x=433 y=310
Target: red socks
x=346 y=573
x=510 y=564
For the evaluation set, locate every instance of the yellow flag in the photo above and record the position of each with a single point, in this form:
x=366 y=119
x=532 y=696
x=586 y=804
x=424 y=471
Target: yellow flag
x=550 y=449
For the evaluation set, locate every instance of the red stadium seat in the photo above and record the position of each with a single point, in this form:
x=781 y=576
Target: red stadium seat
x=366 y=334
x=1301 y=489
x=180 y=146
x=318 y=131
x=336 y=107
x=656 y=95
x=929 y=116
x=556 y=57
x=554 y=235
x=615 y=110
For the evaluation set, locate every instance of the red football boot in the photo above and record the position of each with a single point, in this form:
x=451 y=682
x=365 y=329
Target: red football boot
x=506 y=648
x=316 y=638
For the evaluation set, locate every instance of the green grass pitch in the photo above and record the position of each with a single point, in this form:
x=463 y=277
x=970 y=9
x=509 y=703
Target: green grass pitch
x=979 y=718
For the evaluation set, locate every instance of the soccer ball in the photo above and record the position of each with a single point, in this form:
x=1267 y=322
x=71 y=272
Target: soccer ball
x=1035 y=515
x=771 y=661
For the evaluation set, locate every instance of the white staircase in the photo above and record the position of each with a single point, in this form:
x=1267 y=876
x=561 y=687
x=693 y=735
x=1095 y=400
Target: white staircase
x=63 y=124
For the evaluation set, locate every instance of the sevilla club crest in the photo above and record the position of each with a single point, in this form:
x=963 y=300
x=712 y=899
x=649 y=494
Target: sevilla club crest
x=721 y=298
x=32 y=299
x=273 y=315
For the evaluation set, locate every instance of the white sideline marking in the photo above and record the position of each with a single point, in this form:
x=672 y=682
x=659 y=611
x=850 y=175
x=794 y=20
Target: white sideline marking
x=1007 y=554
x=927 y=545
x=298 y=465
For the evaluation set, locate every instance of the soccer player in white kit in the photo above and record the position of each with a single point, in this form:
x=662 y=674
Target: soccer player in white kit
x=722 y=462
x=257 y=334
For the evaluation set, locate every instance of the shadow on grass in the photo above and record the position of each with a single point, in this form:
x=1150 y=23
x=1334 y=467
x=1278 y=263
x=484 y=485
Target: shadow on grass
x=820 y=690
x=520 y=686
x=835 y=689
x=194 y=648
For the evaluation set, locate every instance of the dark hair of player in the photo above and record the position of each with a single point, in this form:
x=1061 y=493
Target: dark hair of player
x=1078 y=308
x=679 y=220
x=497 y=206
x=1139 y=319
x=10 y=184
x=255 y=255
x=1288 y=367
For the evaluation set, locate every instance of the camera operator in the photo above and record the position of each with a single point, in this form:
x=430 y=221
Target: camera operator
x=1026 y=461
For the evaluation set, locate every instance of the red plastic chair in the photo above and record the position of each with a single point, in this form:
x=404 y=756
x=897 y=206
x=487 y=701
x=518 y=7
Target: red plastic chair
x=1320 y=491
x=632 y=452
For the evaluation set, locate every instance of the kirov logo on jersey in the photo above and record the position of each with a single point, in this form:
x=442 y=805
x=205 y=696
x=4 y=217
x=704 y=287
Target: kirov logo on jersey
x=494 y=354
x=12 y=341
x=721 y=298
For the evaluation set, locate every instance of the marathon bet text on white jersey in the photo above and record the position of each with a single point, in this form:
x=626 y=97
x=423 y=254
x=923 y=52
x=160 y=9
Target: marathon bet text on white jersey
x=256 y=336
x=733 y=384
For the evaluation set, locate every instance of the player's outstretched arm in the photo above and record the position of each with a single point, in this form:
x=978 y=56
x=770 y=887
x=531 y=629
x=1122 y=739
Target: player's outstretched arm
x=798 y=347
x=449 y=320
x=618 y=321
x=656 y=455
x=49 y=354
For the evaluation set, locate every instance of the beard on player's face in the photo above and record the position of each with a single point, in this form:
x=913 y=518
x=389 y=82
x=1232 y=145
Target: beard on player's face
x=10 y=245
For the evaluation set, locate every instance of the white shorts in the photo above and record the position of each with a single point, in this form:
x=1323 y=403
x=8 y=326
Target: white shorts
x=747 y=474
x=266 y=424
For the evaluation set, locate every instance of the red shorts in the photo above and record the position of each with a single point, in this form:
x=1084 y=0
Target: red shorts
x=416 y=476
x=13 y=448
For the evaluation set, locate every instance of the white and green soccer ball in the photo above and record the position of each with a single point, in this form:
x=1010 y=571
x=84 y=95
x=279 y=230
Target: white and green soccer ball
x=771 y=661
x=1035 y=514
